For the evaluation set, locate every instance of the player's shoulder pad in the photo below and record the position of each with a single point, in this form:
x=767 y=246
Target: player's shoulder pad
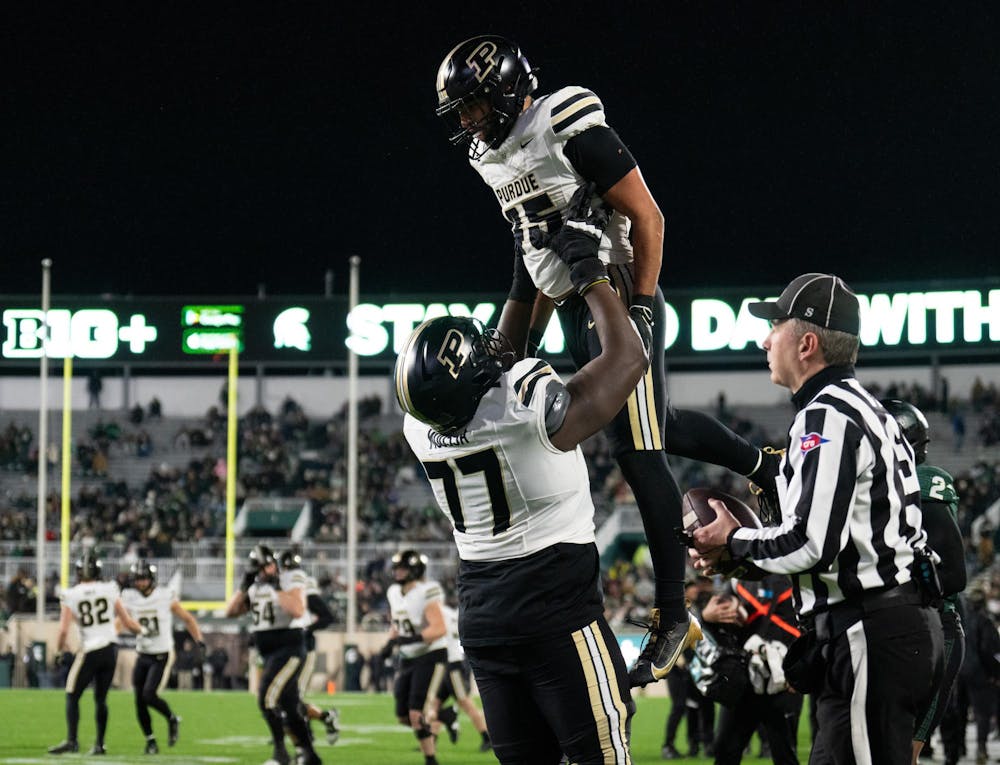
x=525 y=376
x=929 y=472
x=574 y=109
x=293 y=579
x=432 y=590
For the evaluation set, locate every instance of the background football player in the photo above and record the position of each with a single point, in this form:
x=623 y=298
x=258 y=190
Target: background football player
x=154 y=608
x=418 y=630
x=939 y=509
x=277 y=602
x=534 y=151
x=320 y=617
x=501 y=449
x=456 y=684
x=93 y=605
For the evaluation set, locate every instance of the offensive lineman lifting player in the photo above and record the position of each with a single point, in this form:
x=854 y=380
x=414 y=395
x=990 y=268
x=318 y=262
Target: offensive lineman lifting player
x=534 y=151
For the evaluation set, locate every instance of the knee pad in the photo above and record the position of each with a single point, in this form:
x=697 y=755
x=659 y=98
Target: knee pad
x=424 y=731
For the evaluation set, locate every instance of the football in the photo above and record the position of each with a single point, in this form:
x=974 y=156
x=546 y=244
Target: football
x=696 y=512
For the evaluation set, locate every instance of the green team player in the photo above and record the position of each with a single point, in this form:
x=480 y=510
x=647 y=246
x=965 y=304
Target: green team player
x=939 y=506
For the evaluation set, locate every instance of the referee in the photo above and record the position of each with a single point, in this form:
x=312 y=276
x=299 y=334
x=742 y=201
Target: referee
x=850 y=533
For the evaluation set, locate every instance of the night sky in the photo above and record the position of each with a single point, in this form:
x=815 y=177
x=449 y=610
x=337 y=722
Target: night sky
x=209 y=148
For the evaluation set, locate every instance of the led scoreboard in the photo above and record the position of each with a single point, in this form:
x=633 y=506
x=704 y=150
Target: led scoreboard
x=703 y=327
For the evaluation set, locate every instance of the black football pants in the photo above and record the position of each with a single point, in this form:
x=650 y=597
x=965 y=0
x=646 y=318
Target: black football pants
x=645 y=431
x=562 y=695
x=96 y=666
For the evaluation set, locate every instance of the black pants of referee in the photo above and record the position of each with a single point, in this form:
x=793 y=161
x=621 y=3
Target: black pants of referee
x=879 y=676
x=645 y=431
x=97 y=667
x=149 y=676
x=567 y=694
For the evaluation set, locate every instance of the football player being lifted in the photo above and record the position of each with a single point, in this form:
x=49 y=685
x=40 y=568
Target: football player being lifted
x=277 y=602
x=499 y=440
x=419 y=632
x=534 y=151
x=93 y=605
x=154 y=608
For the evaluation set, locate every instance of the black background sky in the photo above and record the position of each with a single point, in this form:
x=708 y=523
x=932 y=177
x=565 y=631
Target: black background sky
x=179 y=148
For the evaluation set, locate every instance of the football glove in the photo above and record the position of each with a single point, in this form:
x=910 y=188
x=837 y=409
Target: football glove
x=641 y=313
x=249 y=577
x=577 y=242
x=764 y=486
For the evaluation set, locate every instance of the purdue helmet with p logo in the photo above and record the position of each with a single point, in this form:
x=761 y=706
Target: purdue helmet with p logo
x=259 y=557
x=289 y=559
x=444 y=370
x=88 y=566
x=143 y=569
x=488 y=68
x=412 y=562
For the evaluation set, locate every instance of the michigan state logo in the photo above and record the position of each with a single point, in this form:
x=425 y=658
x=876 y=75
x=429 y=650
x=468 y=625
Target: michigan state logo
x=450 y=355
x=481 y=59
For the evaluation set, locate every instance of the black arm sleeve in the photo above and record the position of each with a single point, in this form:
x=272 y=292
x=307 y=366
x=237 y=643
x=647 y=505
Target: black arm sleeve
x=318 y=607
x=599 y=155
x=945 y=539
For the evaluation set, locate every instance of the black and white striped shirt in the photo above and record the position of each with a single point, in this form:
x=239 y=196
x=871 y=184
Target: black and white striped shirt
x=850 y=498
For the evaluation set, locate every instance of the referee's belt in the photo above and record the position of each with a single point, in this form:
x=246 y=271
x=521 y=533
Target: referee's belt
x=841 y=616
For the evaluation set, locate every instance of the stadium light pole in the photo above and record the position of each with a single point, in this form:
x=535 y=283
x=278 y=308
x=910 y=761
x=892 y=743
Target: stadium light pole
x=352 y=462
x=43 y=439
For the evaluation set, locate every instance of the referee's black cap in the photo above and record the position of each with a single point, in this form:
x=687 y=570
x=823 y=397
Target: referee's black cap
x=821 y=299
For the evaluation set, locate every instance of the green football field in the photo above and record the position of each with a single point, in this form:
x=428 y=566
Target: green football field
x=226 y=728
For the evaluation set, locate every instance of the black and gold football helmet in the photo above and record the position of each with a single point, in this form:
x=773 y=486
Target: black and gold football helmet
x=488 y=68
x=444 y=370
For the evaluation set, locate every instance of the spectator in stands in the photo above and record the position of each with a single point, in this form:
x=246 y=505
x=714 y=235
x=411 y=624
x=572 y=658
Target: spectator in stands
x=136 y=414
x=94 y=387
x=155 y=409
x=21 y=593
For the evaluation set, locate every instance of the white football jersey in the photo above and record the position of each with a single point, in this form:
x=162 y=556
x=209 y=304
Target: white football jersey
x=407 y=613
x=455 y=651
x=264 y=608
x=152 y=612
x=534 y=181
x=507 y=490
x=93 y=605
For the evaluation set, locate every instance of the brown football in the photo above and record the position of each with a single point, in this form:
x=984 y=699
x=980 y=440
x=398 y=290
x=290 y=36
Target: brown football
x=696 y=512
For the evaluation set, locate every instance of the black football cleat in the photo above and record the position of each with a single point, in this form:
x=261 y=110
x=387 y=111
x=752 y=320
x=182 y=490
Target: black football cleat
x=486 y=745
x=663 y=647
x=173 y=728
x=96 y=750
x=331 y=719
x=151 y=747
x=66 y=747
x=449 y=718
x=669 y=752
